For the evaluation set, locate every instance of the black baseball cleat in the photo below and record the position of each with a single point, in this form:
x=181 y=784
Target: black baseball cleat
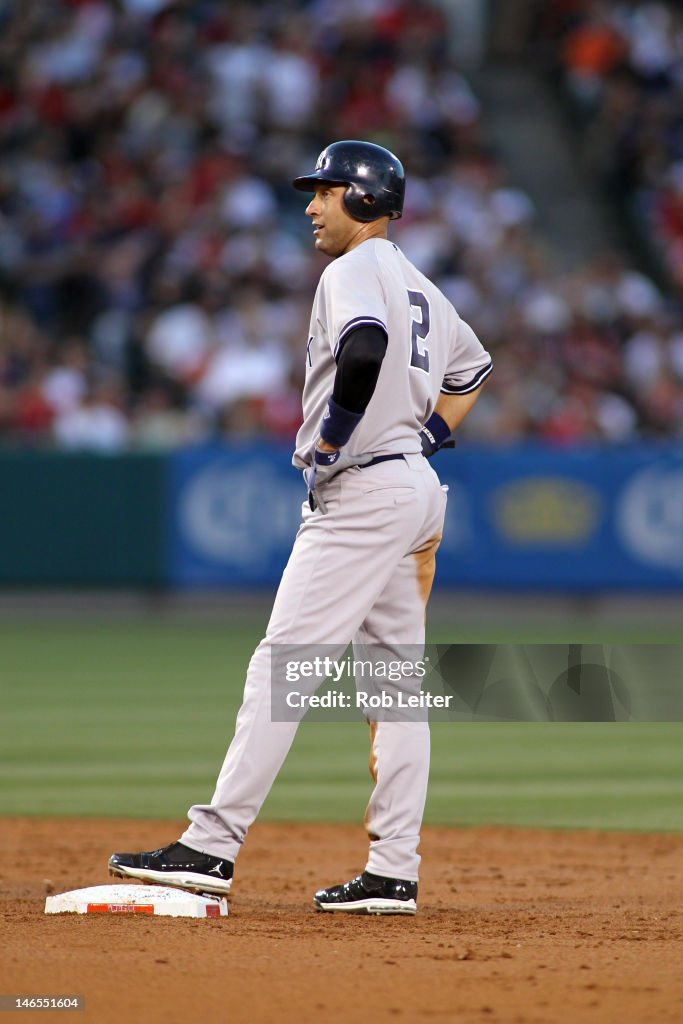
x=369 y=894
x=175 y=865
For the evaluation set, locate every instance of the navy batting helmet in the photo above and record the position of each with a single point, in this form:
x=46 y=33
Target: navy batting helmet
x=374 y=178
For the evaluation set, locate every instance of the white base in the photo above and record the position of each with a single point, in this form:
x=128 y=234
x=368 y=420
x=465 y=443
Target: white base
x=136 y=899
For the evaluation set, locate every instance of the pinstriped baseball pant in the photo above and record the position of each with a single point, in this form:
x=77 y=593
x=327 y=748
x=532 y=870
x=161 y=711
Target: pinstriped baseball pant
x=363 y=572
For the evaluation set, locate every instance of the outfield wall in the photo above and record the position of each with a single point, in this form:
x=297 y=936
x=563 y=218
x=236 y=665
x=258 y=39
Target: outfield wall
x=520 y=517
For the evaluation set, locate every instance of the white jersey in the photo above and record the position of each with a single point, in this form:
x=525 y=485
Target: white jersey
x=430 y=349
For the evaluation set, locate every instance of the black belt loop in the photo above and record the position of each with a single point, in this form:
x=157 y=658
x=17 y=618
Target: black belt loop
x=382 y=458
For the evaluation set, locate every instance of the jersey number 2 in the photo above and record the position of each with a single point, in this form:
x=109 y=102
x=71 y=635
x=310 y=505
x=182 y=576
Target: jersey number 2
x=419 y=357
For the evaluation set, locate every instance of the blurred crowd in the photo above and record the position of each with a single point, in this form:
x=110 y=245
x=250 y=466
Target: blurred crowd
x=157 y=269
x=621 y=67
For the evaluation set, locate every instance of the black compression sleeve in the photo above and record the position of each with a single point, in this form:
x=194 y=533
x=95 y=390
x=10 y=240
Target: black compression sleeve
x=358 y=367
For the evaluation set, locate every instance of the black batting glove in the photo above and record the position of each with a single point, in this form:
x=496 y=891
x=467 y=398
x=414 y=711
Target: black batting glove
x=434 y=435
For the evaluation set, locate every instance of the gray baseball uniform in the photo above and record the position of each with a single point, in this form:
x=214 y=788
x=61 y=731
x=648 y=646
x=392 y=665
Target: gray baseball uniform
x=363 y=571
x=430 y=348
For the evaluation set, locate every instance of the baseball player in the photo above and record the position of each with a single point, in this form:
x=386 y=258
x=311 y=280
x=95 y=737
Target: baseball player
x=391 y=370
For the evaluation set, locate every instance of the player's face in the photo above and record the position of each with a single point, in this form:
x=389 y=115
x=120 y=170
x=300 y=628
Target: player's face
x=333 y=228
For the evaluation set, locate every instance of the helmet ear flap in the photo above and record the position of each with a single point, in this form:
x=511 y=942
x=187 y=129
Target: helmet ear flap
x=360 y=204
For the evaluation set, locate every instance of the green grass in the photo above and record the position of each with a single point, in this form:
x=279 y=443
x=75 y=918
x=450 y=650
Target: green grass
x=120 y=718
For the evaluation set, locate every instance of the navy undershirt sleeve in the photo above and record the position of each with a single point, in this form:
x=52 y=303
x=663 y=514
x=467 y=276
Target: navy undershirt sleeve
x=358 y=366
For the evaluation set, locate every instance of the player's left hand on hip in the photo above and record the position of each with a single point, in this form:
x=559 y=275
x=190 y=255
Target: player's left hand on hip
x=325 y=466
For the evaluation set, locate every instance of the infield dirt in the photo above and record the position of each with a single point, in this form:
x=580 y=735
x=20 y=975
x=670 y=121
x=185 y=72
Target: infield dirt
x=514 y=925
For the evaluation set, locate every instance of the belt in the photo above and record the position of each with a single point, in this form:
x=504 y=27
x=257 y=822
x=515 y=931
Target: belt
x=381 y=458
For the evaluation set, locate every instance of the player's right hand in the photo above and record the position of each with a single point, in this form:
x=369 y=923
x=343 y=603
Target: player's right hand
x=324 y=467
x=428 y=446
x=434 y=435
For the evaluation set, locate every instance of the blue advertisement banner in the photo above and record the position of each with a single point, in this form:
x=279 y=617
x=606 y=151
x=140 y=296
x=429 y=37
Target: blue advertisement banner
x=525 y=517
x=234 y=513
